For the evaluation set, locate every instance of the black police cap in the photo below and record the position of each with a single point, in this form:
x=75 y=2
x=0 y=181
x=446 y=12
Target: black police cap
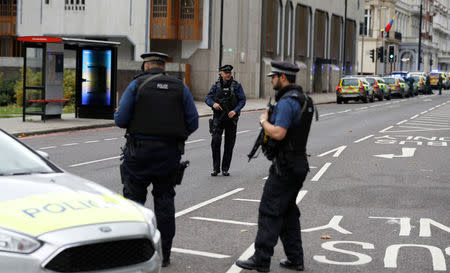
x=226 y=68
x=154 y=57
x=279 y=67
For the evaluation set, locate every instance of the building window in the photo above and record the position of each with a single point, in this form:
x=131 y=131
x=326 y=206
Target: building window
x=77 y=5
x=159 y=8
x=302 y=17
x=288 y=28
x=187 y=9
x=47 y=2
x=270 y=25
x=365 y=30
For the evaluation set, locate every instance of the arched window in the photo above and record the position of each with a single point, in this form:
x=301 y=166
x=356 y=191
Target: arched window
x=288 y=30
x=302 y=17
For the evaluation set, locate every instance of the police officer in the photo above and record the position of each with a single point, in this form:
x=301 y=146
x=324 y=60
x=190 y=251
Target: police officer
x=159 y=114
x=288 y=127
x=440 y=83
x=410 y=81
x=428 y=84
x=227 y=98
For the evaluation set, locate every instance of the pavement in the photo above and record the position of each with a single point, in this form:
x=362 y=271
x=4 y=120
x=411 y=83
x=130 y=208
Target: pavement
x=33 y=125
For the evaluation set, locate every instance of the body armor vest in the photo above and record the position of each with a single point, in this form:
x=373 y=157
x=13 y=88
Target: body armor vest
x=159 y=110
x=226 y=96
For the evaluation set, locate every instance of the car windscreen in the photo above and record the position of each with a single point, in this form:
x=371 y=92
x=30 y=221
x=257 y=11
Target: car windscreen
x=350 y=82
x=16 y=159
x=416 y=78
x=389 y=80
x=371 y=81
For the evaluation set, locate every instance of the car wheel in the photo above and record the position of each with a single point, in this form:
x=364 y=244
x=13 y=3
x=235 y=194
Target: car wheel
x=364 y=99
x=345 y=101
x=339 y=100
x=381 y=97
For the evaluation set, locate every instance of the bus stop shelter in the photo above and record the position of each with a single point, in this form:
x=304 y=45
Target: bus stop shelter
x=43 y=77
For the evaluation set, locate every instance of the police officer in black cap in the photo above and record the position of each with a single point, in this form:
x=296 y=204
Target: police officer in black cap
x=159 y=114
x=227 y=98
x=287 y=129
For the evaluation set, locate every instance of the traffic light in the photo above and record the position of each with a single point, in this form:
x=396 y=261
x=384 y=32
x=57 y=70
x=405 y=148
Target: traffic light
x=391 y=53
x=372 y=55
x=380 y=54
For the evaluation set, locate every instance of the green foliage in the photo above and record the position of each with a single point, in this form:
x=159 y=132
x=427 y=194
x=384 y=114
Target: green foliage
x=7 y=90
x=69 y=86
x=33 y=79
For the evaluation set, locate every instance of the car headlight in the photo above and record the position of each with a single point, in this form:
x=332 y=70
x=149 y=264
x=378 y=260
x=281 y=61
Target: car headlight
x=18 y=243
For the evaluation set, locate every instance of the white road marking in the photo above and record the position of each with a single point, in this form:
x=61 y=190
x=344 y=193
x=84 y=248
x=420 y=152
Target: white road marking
x=424 y=112
x=247 y=253
x=246 y=200
x=94 y=161
x=207 y=202
x=224 y=221
x=265 y=178
x=327 y=114
x=108 y=139
x=300 y=196
x=49 y=147
x=348 y=110
x=362 y=139
x=337 y=153
x=199 y=253
x=406 y=152
x=403 y=121
x=413 y=117
x=245 y=131
x=69 y=144
x=92 y=141
x=362 y=108
x=417 y=123
x=385 y=129
x=194 y=141
x=321 y=172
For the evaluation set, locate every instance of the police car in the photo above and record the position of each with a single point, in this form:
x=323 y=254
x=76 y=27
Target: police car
x=53 y=221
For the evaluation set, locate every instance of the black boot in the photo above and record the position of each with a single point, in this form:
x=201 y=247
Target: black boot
x=165 y=262
x=290 y=265
x=251 y=264
x=215 y=173
x=225 y=173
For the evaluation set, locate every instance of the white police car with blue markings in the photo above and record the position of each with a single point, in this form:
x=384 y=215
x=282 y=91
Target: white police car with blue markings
x=53 y=221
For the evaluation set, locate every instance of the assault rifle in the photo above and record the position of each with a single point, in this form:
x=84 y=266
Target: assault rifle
x=260 y=139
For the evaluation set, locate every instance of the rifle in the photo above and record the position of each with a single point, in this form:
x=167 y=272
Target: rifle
x=261 y=136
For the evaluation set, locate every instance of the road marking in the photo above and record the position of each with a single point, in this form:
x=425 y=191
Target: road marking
x=321 y=172
x=265 y=178
x=69 y=144
x=413 y=117
x=207 y=202
x=194 y=141
x=362 y=108
x=385 y=129
x=348 y=110
x=337 y=153
x=424 y=112
x=247 y=253
x=108 y=139
x=199 y=253
x=417 y=123
x=92 y=141
x=94 y=161
x=362 y=139
x=246 y=200
x=406 y=152
x=300 y=196
x=403 y=121
x=327 y=114
x=224 y=221
x=49 y=147
x=245 y=131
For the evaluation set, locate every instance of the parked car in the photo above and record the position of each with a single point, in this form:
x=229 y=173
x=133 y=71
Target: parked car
x=397 y=88
x=353 y=88
x=381 y=90
x=53 y=221
x=419 y=82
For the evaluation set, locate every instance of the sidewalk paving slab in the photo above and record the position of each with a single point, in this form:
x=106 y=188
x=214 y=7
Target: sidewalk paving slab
x=34 y=125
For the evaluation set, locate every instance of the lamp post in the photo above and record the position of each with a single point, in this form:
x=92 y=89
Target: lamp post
x=383 y=35
x=420 y=37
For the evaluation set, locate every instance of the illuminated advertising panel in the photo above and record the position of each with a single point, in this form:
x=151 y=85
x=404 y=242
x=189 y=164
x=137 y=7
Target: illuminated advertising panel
x=96 y=77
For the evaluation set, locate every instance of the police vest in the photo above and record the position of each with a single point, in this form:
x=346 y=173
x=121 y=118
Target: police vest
x=159 y=110
x=297 y=136
x=226 y=96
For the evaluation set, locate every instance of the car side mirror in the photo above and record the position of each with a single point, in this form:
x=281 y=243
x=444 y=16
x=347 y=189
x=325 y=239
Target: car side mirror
x=44 y=154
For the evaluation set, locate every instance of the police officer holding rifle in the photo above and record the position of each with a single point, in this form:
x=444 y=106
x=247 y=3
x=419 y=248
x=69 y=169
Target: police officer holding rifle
x=286 y=132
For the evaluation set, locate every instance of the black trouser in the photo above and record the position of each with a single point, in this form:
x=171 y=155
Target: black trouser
x=230 y=126
x=136 y=177
x=279 y=217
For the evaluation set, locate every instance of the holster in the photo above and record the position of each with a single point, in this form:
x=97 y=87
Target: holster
x=180 y=172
